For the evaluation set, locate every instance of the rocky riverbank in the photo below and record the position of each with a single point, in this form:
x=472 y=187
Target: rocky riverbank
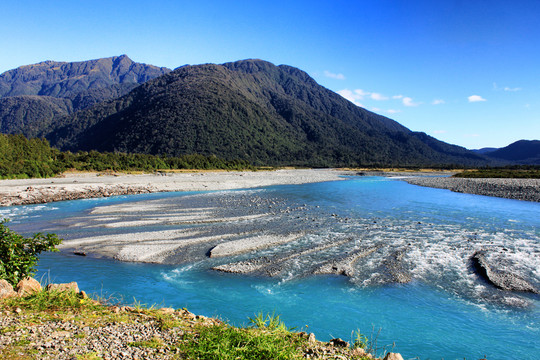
x=519 y=189
x=93 y=185
x=63 y=323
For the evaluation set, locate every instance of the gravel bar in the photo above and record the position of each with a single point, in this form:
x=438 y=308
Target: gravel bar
x=519 y=189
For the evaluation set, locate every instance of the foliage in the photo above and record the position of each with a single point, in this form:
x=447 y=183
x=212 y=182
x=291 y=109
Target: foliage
x=154 y=343
x=515 y=172
x=34 y=158
x=268 y=338
x=23 y=158
x=33 y=98
x=268 y=322
x=19 y=255
x=254 y=111
x=50 y=301
x=520 y=152
x=250 y=110
x=360 y=340
x=226 y=342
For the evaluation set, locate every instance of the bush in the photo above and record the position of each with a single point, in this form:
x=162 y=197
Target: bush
x=18 y=255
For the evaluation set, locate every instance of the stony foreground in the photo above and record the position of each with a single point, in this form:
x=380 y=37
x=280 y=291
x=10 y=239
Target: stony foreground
x=63 y=323
x=518 y=189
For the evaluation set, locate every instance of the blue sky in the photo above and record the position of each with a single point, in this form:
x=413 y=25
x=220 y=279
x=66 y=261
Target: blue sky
x=466 y=72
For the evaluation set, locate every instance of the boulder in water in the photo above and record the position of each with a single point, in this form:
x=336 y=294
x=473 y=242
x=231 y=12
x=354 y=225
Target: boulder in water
x=501 y=279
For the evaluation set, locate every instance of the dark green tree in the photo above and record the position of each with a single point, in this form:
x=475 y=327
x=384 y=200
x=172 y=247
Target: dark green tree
x=19 y=255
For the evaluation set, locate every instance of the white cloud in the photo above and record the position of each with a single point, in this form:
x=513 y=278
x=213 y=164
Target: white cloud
x=476 y=98
x=352 y=96
x=361 y=93
x=397 y=97
x=331 y=75
x=378 y=97
x=407 y=101
x=382 y=111
x=506 y=88
x=437 y=102
x=439 y=131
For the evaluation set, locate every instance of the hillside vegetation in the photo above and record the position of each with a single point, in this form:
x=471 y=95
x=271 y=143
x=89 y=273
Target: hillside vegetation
x=33 y=97
x=519 y=152
x=255 y=111
x=34 y=158
x=508 y=172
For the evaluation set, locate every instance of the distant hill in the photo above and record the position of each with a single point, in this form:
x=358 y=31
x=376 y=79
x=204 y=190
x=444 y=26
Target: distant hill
x=519 y=152
x=485 y=150
x=29 y=95
x=251 y=110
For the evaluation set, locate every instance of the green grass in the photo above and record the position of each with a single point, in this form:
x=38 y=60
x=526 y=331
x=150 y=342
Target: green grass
x=223 y=342
x=265 y=337
x=154 y=343
x=527 y=172
x=50 y=301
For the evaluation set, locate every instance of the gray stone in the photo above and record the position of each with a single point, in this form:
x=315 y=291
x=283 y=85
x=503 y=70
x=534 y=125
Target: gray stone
x=503 y=280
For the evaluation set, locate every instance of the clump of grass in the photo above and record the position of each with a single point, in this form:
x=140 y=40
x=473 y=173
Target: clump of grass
x=269 y=322
x=50 y=301
x=154 y=343
x=226 y=342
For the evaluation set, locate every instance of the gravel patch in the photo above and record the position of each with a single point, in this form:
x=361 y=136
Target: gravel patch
x=519 y=189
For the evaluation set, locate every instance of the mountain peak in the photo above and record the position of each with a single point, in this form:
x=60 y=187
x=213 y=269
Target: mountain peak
x=66 y=79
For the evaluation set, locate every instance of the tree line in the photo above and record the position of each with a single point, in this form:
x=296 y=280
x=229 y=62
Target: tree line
x=22 y=158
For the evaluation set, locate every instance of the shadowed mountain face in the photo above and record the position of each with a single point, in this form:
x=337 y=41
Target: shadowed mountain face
x=251 y=110
x=520 y=152
x=29 y=94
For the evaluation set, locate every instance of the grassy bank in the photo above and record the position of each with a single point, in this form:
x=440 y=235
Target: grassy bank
x=52 y=324
x=510 y=172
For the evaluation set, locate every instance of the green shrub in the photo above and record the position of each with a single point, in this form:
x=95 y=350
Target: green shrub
x=19 y=255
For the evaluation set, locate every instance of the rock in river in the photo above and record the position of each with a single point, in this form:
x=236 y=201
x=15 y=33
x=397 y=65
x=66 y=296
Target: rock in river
x=501 y=279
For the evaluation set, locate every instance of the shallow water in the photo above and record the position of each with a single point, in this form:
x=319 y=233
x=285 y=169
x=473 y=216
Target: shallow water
x=445 y=311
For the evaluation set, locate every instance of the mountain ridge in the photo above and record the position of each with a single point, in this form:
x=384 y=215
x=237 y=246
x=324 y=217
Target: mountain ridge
x=79 y=84
x=254 y=110
x=520 y=152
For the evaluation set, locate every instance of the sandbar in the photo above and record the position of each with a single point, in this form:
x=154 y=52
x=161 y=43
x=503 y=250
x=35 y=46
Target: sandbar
x=75 y=186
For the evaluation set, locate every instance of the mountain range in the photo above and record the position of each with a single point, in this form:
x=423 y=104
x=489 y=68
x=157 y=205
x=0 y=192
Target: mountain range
x=33 y=97
x=520 y=152
x=250 y=109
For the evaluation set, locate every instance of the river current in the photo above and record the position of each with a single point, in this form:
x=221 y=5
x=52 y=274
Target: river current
x=415 y=292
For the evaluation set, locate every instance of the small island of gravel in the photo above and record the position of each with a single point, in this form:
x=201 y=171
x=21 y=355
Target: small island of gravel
x=519 y=189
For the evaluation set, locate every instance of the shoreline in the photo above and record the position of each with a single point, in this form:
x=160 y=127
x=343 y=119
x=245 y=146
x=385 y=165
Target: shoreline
x=95 y=185
x=516 y=189
x=76 y=186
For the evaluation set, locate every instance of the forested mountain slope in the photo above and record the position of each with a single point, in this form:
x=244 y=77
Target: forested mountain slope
x=250 y=110
x=32 y=96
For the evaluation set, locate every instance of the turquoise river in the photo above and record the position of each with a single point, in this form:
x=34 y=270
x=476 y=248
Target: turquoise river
x=440 y=308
